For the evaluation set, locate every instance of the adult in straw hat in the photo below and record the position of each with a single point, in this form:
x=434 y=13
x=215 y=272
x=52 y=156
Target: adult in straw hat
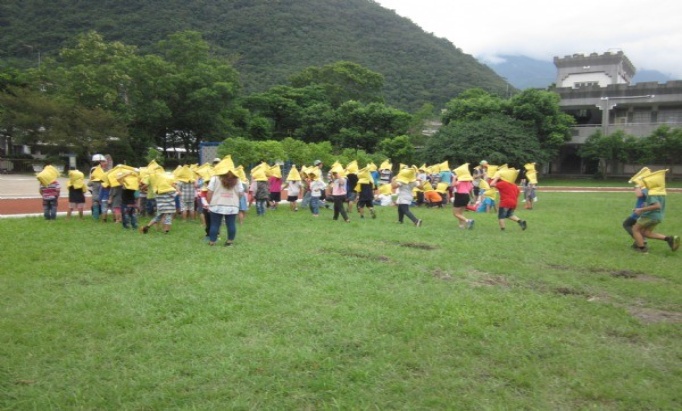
x=224 y=193
x=405 y=182
x=652 y=212
x=505 y=182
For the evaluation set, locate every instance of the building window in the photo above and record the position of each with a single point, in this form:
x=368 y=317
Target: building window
x=585 y=84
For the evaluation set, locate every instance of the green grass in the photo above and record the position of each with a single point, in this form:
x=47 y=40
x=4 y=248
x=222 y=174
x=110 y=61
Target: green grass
x=592 y=182
x=307 y=313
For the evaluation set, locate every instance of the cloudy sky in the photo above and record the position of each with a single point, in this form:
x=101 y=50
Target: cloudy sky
x=648 y=32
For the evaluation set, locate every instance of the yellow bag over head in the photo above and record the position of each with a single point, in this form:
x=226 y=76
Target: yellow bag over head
x=655 y=183
x=47 y=175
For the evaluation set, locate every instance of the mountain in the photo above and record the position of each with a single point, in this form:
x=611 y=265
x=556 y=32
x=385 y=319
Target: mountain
x=524 y=72
x=268 y=40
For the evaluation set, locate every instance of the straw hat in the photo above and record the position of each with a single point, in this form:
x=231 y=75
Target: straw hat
x=463 y=173
x=47 y=175
x=407 y=175
x=655 y=183
x=637 y=178
x=294 y=175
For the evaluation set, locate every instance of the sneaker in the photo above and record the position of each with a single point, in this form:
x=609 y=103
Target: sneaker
x=643 y=250
x=470 y=224
x=674 y=242
x=228 y=243
x=419 y=223
x=144 y=229
x=523 y=224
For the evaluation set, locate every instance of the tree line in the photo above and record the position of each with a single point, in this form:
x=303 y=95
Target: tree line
x=100 y=96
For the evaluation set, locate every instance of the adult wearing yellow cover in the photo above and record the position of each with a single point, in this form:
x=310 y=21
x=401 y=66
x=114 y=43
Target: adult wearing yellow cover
x=223 y=196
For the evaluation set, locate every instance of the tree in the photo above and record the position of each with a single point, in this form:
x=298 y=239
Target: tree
x=33 y=118
x=607 y=149
x=497 y=138
x=665 y=144
x=473 y=104
x=343 y=81
x=540 y=109
x=398 y=149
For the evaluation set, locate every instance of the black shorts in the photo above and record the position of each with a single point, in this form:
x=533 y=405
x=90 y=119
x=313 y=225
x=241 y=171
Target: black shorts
x=276 y=197
x=292 y=199
x=461 y=200
x=365 y=203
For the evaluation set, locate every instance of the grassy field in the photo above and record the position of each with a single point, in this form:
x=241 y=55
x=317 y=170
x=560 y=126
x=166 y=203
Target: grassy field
x=307 y=313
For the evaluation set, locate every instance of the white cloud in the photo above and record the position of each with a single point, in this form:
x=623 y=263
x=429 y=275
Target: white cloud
x=649 y=33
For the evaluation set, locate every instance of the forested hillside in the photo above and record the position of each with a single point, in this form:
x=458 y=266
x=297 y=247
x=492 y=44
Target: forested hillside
x=266 y=40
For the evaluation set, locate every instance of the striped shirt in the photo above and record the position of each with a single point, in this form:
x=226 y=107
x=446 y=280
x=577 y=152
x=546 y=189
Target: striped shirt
x=51 y=191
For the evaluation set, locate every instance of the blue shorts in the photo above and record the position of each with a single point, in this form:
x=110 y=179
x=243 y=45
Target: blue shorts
x=503 y=213
x=243 y=206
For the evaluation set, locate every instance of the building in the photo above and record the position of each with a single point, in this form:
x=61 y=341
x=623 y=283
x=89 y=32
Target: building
x=596 y=90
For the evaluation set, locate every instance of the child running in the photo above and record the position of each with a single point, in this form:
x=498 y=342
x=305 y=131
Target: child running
x=509 y=197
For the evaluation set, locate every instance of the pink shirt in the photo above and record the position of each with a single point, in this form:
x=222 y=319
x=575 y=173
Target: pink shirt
x=275 y=184
x=463 y=187
x=339 y=187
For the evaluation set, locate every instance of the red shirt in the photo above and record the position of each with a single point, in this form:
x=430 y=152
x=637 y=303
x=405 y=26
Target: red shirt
x=509 y=194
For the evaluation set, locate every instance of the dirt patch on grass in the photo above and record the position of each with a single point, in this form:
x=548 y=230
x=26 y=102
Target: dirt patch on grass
x=420 y=246
x=623 y=274
x=357 y=254
x=441 y=274
x=570 y=291
x=654 y=316
x=483 y=279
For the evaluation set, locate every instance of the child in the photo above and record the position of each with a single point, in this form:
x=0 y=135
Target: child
x=105 y=205
x=640 y=194
x=77 y=188
x=275 y=187
x=317 y=187
x=366 y=193
x=50 y=194
x=405 y=182
x=652 y=213
x=293 y=189
x=338 y=185
x=462 y=186
x=130 y=182
x=165 y=202
x=509 y=197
